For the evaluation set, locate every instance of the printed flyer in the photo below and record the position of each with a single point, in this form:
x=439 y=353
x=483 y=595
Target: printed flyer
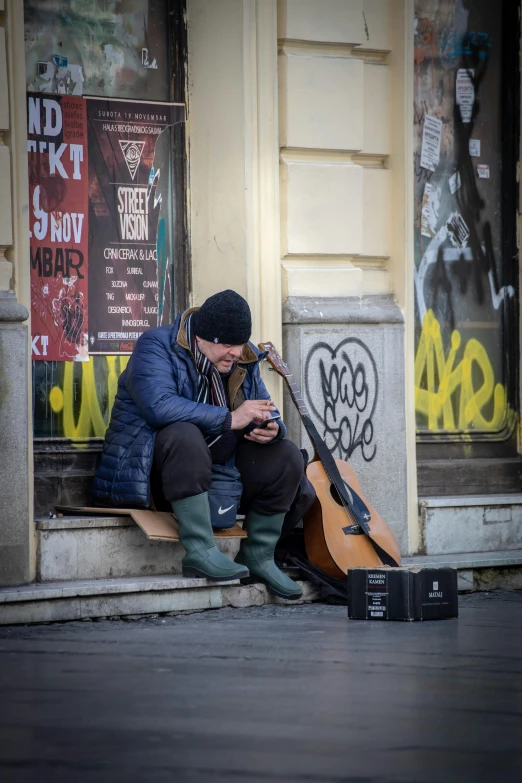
x=130 y=220
x=58 y=223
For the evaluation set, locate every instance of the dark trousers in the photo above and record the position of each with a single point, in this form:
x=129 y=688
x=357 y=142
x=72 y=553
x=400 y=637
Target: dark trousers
x=271 y=474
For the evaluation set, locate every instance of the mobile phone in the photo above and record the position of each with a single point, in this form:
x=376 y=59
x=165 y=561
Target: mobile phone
x=254 y=426
x=272 y=418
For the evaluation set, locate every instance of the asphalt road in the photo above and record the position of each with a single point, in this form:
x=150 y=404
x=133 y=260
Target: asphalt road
x=263 y=695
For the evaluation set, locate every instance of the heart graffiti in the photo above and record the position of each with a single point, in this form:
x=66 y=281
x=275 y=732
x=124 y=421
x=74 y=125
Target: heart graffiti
x=347 y=397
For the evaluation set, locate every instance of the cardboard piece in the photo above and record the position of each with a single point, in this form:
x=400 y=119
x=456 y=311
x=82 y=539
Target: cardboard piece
x=157 y=525
x=402 y=593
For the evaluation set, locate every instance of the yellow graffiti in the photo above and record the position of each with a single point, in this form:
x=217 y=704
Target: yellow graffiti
x=91 y=421
x=435 y=401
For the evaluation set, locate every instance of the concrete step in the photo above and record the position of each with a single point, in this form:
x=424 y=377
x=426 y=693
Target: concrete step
x=95 y=547
x=477 y=571
x=471 y=523
x=130 y=598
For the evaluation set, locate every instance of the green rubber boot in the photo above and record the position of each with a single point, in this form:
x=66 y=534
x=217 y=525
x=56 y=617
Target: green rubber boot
x=203 y=558
x=257 y=553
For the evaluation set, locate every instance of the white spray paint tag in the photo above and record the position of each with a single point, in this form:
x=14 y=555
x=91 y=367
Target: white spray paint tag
x=458 y=231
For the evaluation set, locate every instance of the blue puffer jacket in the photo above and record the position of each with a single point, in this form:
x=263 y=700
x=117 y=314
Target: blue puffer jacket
x=158 y=388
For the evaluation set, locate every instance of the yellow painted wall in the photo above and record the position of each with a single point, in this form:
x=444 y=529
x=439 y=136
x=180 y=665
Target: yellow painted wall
x=337 y=136
x=216 y=133
x=345 y=133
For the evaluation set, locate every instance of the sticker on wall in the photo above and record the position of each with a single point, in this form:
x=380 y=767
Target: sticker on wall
x=58 y=77
x=430 y=210
x=465 y=93
x=483 y=170
x=455 y=182
x=425 y=212
x=58 y=215
x=458 y=231
x=474 y=148
x=130 y=237
x=431 y=136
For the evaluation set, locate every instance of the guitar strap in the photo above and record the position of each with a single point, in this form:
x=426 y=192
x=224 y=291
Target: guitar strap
x=358 y=510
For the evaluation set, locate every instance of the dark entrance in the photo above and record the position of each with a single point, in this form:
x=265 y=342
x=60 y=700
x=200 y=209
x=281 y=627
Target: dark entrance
x=134 y=51
x=466 y=130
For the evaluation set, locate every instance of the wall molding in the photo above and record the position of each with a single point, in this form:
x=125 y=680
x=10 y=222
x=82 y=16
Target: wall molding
x=262 y=174
x=297 y=48
x=372 y=160
x=327 y=259
x=372 y=56
x=314 y=48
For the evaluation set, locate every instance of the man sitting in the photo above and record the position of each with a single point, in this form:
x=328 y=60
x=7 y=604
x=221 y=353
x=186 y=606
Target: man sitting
x=183 y=403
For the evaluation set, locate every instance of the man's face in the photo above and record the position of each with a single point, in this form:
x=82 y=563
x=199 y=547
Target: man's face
x=221 y=355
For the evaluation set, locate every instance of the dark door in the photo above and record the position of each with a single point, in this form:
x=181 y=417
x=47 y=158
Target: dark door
x=132 y=51
x=466 y=138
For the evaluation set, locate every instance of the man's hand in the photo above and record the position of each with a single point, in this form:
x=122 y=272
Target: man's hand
x=264 y=435
x=256 y=411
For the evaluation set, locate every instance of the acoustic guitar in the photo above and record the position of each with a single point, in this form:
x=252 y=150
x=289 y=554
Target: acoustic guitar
x=341 y=530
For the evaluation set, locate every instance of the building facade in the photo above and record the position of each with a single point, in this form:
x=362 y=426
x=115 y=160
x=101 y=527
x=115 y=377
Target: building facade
x=349 y=166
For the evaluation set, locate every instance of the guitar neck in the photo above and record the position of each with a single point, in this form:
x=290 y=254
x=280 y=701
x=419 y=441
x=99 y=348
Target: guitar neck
x=359 y=515
x=280 y=367
x=296 y=395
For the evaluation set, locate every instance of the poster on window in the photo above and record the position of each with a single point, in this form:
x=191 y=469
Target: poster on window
x=58 y=224
x=130 y=220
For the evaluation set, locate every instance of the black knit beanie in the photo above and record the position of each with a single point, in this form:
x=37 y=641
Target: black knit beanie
x=224 y=318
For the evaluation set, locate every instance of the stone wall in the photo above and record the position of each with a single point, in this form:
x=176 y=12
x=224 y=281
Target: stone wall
x=347 y=357
x=16 y=529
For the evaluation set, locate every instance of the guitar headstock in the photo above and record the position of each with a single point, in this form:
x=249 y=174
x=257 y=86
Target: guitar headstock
x=274 y=359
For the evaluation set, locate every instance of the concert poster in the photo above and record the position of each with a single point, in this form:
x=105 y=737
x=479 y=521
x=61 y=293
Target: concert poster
x=130 y=220
x=58 y=223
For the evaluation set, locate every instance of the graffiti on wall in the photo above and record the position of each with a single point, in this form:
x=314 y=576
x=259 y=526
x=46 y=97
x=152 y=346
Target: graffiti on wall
x=74 y=400
x=461 y=284
x=441 y=378
x=342 y=386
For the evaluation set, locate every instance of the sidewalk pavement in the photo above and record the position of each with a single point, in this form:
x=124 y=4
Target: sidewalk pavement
x=273 y=694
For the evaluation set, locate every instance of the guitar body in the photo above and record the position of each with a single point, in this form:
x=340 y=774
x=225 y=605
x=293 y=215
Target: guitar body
x=327 y=546
x=341 y=529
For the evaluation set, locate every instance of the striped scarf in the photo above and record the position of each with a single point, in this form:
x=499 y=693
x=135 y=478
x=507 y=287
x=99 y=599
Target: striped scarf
x=210 y=386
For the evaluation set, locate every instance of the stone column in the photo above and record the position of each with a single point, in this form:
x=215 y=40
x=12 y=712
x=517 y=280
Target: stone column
x=347 y=357
x=14 y=480
x=16 y=536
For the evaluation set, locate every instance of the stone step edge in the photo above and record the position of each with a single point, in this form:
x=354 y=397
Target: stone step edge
x=477 y=571
x=145 y=596
x=38 y=591
x=67 y=589
x=51 y=590
x=86 y=522
x=466 y=560
x=134 y=598
x=80 y=523
x=466 y=501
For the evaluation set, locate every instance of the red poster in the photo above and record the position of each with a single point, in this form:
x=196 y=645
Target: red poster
x=58 y=216
x=131 y=250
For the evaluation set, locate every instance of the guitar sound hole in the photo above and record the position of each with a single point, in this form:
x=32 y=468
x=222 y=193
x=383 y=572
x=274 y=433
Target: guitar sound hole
x=335 y=494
